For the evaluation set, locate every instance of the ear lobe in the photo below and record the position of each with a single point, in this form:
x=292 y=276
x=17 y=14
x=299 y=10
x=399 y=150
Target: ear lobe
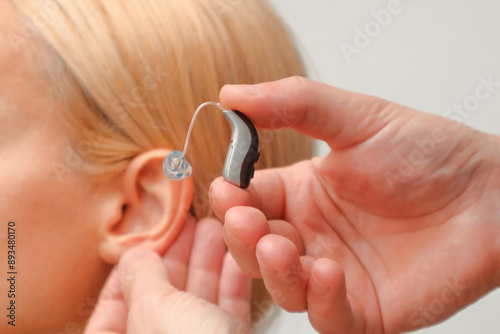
x=153 y=208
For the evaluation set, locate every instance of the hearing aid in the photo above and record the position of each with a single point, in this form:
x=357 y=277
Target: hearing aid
x=242 y=154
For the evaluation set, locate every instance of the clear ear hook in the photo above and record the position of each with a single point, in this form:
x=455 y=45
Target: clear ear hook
x=242 y=154
x=175 y=164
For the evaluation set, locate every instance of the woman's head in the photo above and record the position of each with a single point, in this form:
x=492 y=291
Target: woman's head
x=96 y=94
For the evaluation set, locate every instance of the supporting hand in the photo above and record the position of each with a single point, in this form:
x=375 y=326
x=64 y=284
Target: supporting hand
x=143 y=294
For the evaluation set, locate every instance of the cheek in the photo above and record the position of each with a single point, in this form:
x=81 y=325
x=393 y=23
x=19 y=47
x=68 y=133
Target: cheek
x=57 y=261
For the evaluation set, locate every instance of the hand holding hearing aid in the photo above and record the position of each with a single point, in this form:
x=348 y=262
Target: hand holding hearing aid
x=396 y=228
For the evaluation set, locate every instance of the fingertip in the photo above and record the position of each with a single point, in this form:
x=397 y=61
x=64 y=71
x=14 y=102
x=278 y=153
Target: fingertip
x=224 y=196
x=226 y=93
x=328 y=304
x=236 y=213
x=215 y=195
x=224 y=90
x=282 y=271
x=268 y=245
x=275 y=254
x=287 y=230
x=141 y=270
x=231 y=93
x=266 y=192
x=131 y=256
x=244 y=227
x=326 y=276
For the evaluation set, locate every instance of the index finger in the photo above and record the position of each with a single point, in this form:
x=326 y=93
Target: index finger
x=339 y=117
x=266 y=193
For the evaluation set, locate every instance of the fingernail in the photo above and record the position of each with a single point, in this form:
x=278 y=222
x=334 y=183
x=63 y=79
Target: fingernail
x=317 y=286
x=249 y=89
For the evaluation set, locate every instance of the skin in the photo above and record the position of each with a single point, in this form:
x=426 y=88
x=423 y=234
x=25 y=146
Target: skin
x=366 y=255
x=196 y=287
x=54 y=223
x=369 y=253
x=70 y=231
x=383 y=246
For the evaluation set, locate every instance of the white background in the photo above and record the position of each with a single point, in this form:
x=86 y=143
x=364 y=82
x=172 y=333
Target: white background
x=429 y=57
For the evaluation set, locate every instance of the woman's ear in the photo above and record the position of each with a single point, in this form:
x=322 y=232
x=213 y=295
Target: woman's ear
x=149 y=210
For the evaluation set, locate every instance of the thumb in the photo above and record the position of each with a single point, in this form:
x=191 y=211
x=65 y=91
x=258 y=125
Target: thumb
x=339 y=117
x=110 y=312
x=142 y=272
x=157 y=307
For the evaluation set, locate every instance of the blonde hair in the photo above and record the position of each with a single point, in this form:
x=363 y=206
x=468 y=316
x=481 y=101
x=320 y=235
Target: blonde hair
x=133 y=72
